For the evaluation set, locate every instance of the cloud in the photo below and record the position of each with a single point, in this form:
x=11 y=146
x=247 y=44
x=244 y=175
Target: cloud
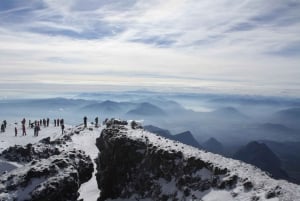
x=254 y=41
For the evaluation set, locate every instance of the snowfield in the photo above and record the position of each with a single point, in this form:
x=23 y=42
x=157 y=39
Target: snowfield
x=85 y=140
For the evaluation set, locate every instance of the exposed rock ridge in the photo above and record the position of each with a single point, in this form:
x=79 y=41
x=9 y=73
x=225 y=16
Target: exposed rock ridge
x=137 y=165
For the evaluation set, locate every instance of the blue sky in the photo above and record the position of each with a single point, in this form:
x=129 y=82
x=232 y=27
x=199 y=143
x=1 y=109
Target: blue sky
x=250 y=47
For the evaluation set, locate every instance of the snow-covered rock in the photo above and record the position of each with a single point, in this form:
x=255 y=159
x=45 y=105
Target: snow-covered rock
x=134 y=164
x=48 y=170
x=56 y=178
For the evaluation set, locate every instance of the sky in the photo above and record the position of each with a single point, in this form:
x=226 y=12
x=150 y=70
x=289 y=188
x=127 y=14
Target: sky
x=221 y=46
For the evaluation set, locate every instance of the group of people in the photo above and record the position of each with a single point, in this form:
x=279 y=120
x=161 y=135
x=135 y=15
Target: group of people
x=36 y=125
x=96 y=122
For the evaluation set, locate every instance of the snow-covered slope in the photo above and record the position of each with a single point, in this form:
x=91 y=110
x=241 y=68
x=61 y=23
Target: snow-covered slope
x=132 y=164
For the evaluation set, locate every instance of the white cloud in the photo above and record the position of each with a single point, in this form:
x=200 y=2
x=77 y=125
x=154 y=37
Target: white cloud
x=225 y=40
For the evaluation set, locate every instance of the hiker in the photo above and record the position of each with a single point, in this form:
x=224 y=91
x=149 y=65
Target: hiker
x=96 y=122
x=23 y=121
x=16 y=131
x=54 y=122
x=41 y=122
x=36 y=130
x=62 y=128
x=2 y=128
x=57 y=122
x=44 y=122
x=24 y=130
x=85 y=121
x=62 y=122
x=4 y=123
x=48 y=120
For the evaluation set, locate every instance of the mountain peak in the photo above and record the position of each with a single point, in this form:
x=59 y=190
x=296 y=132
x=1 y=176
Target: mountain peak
x=213 y=145
x=260 y=155
x=187 y=138
x=146 y=109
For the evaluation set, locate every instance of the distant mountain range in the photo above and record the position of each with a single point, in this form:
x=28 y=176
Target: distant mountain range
x=184 y=137
x=146 y=109
x=288 y=152
x=229 y=113
x=260 y=155
x=290 y=117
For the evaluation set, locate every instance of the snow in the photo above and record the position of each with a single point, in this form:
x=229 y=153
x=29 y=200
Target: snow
x=24 y=193
x=86 y=141
x=7 y=166
x=217 y=195
x=8 y=138
x=262 y=182
x=204 y=173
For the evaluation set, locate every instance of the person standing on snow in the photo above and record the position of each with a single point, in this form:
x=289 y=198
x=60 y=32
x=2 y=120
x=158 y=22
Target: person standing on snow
x=24 y=130
x=4 y=123
x=23 y=121
x=96 y=122
x=62 y=128
x=85 y=121
x=2 y=128
x=16 y=131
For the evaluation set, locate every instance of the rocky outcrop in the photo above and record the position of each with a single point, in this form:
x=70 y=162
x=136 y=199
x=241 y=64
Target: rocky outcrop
x=42 y=150
x=25 y=154
x=134 y=164
x=56 y=178
x=50 y=171
x=129 y=167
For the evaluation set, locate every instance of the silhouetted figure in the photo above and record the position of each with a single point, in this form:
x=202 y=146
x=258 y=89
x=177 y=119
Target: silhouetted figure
x=54 y=122
x=57 y=122
x=48 y=120
x=2 y=128
x=36 y=130
x=62 y=128
x=44 y=122
x=5 y=123
x=41 y=122
x=96 y=122
x=85 y=121
x=23 y=121
x=62 y=122
x=16 y=131
x=24 y=130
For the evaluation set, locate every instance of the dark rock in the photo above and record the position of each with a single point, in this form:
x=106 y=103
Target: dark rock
x=274 y=192
x=127 y=167
x=56 y=178
x=248 y=185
